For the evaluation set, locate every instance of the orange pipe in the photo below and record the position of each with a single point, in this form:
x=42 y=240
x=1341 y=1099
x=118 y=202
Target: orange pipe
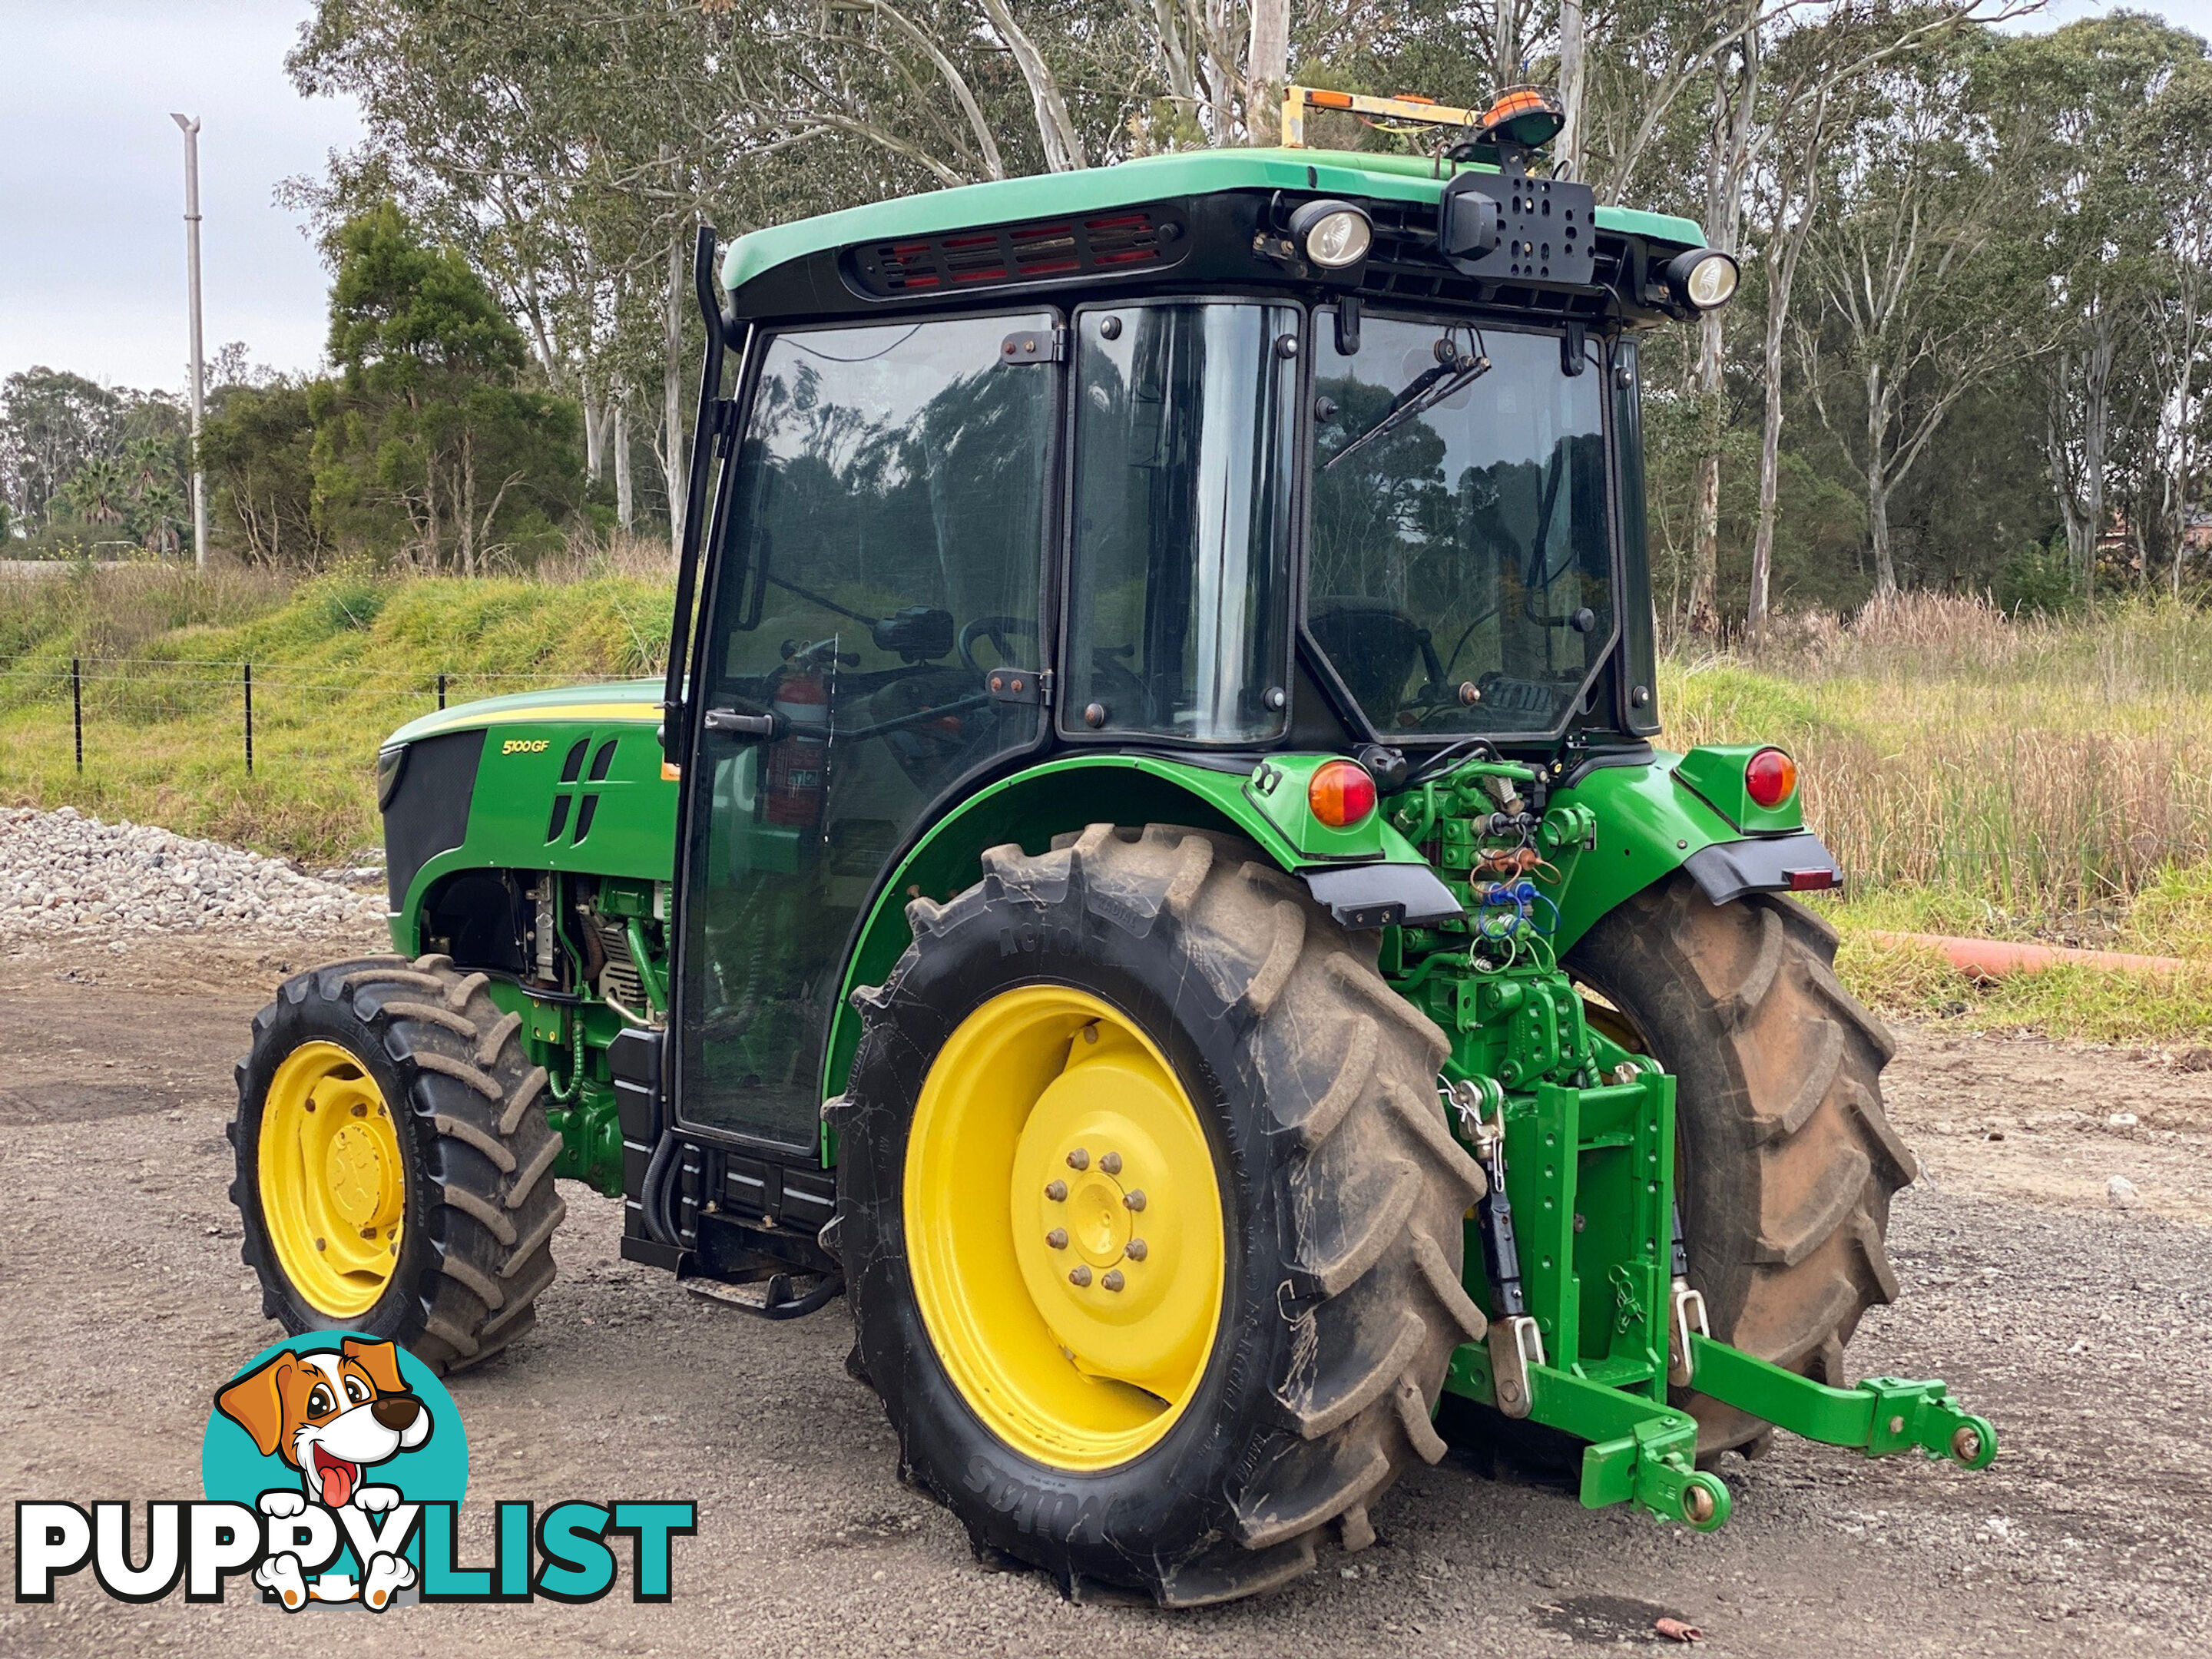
x=1989 y=958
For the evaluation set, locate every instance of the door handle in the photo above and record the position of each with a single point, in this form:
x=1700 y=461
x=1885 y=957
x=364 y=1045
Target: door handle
x=756 y=728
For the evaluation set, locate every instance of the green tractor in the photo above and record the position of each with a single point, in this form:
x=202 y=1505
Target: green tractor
x=1148 y=874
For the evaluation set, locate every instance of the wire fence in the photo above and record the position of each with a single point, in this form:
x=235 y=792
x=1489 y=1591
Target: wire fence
x=133 y=691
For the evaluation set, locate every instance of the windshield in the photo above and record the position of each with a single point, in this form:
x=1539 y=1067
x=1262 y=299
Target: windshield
x=1462 y=577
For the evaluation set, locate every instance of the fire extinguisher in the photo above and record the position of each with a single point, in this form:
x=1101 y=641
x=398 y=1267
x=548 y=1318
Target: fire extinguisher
x=798 y=764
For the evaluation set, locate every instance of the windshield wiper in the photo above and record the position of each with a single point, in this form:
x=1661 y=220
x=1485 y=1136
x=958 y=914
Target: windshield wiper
x=1428 y=388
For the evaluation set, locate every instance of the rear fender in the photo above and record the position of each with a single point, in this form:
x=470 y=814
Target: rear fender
x=1649 y=825
x=1062 y=796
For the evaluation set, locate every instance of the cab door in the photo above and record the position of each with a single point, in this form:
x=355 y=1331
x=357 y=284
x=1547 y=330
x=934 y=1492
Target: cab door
x=881 y=554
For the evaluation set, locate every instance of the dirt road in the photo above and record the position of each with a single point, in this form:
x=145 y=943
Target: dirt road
x=2081 y=1329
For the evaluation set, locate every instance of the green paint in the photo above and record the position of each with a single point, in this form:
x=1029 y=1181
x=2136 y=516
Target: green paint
x=580 y=1098
x=1277 y=789
x=622 y=700
x=1714 y=773
x=1029 y=809
x=1883 y=1416
x=1647 y=826
x=1150 y=179
x=633 y=828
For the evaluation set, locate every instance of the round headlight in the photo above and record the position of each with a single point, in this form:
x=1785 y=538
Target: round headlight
x=1703 y=278
x=1333 y=235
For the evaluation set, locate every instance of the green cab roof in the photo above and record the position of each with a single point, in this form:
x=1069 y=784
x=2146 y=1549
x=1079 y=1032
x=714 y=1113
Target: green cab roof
x=594 y=705
x=1092 y=190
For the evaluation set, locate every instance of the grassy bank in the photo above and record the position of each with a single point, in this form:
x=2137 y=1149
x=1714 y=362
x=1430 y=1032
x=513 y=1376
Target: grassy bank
x=1975 y=775
x=338 y=661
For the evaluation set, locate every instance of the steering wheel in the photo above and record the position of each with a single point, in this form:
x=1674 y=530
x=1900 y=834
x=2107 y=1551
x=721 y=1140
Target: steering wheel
x=995 y=629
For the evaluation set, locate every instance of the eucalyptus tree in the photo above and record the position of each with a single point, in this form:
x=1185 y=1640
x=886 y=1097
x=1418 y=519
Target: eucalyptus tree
x=2086 y=98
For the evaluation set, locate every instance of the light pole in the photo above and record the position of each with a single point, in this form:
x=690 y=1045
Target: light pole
x=192 y=132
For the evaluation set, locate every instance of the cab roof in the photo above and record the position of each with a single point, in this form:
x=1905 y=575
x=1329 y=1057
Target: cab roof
x=1180 y=174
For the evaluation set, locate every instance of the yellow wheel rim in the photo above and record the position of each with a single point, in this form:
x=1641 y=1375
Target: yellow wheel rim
x=333 y=1186
x=1063 y=1227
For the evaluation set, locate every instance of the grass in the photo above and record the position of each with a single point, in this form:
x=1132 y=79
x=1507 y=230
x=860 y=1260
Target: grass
x=1975 y=774
x=2003 y=779
x=339 y=662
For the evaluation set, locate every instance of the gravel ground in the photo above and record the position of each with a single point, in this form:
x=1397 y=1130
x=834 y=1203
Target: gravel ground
x=2079 y=1328
x=61 y=873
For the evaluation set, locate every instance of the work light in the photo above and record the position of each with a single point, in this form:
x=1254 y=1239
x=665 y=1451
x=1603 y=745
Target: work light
x=1702 y=279
x=1333 y=235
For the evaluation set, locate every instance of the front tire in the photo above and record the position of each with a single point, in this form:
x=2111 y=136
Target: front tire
x=1319 y=1197
x=394 y=1165
x=1786 y=1161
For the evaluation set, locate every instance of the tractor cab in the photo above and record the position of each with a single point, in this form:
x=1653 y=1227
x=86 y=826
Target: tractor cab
x=1205 y=457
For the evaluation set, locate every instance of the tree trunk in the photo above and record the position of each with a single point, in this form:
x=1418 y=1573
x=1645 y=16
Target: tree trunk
x=1569 y=148
x=625 y=492
x=1505 y=47
x=1878 y=484
x=1734 y=105
x=595 y=440
x=1704 y=617
x=675 y=455
x=1770 y=463
x=1267 y=68
x=430 y=511
x=1063 y=146
x=468 y=507
x=1780 y=280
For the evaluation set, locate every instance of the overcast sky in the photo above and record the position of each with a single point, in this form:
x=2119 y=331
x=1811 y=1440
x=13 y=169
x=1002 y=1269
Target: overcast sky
x=92 y=255
x=92 y=237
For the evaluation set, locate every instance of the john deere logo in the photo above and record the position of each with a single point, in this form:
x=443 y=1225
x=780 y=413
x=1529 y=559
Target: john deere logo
x=334 y=1468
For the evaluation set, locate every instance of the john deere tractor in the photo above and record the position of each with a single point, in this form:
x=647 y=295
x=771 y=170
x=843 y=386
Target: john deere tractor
x=1148 y=874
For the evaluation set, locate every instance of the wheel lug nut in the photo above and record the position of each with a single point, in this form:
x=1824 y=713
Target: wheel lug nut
x=1079 y=1275
x=1112 y=1281
x=1134 y=1198
x=1138 y=1249
x=1111 y=1164
x=1078 y=1159
x=1055 y=1190
x=1057 y=1238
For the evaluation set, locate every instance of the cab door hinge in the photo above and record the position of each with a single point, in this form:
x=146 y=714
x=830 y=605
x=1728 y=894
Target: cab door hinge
x=1024 y=685
x=726 y=416
x=1033 y=345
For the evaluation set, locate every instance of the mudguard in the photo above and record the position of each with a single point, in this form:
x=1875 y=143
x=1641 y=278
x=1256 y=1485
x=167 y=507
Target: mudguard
x=1651 y=823
x=1063 y=795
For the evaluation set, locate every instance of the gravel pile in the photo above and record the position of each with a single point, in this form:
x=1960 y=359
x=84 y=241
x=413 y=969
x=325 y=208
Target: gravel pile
x=64 y=873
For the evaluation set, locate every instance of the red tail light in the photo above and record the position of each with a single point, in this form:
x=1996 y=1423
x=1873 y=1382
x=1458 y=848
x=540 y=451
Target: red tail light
x=1341 y=793
x=1770 y=777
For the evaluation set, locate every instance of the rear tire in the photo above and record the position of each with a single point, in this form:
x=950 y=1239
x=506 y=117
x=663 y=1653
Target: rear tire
x=1341 y=1197
x=474 y=1251
x=1787 y=1163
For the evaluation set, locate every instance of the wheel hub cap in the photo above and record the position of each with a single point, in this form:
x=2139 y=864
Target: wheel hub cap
x=333 y=1187
x=1076 y=1299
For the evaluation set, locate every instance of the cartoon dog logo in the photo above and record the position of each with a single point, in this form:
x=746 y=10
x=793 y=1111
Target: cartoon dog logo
x=333 y=1416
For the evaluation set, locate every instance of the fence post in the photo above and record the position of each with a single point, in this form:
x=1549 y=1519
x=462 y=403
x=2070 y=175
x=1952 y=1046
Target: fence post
x=441 y=690
x=76 y=708
x=249 y=720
